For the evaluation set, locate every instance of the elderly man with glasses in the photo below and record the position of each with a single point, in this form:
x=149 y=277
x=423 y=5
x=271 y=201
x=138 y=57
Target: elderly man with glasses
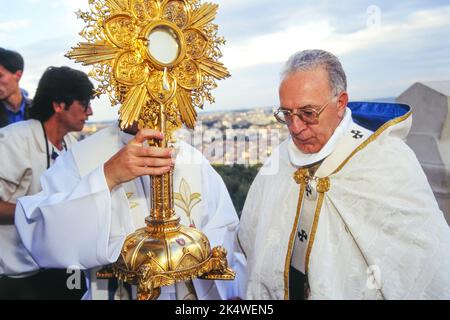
x=342 y=209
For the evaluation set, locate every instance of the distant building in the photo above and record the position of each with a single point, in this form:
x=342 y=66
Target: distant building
x=430 y=134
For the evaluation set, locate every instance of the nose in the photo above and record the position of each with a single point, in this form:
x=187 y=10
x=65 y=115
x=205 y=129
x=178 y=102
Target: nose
x=297 y=125
x=89 y=111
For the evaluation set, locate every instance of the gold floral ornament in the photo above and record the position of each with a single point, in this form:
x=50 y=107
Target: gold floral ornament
x=121 y=37
x=301 y=176
x=158 y=59
x=186 y=200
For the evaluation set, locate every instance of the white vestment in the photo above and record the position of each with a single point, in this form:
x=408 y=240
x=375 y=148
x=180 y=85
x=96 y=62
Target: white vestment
x=376 y=232
x=23 y=159
x=77 y=221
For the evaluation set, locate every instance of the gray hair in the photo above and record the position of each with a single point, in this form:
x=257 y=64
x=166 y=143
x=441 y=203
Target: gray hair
x=311 y=59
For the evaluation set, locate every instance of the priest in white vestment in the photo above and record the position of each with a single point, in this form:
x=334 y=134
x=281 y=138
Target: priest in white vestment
x=98 y=193
x=342 y=209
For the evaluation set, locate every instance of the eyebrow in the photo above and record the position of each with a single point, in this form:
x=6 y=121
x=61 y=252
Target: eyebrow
x=308 y=106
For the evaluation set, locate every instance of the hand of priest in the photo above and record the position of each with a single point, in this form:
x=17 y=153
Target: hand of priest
x=137 y=159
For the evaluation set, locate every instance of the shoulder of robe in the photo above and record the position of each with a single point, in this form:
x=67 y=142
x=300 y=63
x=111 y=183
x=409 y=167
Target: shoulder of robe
x=386 y=161
x=19 y=131
x=385 y=147
x=275 y=165
x=96 y=149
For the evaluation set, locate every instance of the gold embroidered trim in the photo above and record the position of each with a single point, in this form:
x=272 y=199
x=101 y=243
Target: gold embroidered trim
x=131 y=203
x=134 y=205
x=323 y=185
x=373 y=137
x=301 y=177
x=314 y=228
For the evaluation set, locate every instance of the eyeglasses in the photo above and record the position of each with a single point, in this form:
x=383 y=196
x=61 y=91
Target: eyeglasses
x=86 y=104
x=308 y=114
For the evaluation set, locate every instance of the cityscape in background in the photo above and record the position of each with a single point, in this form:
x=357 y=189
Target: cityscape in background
x=245 y=137
x=236 y=142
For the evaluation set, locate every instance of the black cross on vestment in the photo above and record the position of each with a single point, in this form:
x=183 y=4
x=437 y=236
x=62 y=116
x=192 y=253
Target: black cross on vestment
x=357 y=134
x=302 y=235
x=308 y=190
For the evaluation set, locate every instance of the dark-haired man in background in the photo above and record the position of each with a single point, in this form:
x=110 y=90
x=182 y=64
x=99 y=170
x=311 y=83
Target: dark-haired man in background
x=61 y=105
x=14 y=103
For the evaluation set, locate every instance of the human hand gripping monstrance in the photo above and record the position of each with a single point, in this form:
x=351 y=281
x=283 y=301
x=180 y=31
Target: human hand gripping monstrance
x=159 y=60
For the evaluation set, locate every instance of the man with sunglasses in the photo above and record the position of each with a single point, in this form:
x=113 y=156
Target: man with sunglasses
x=61 y=106
x=342 y=209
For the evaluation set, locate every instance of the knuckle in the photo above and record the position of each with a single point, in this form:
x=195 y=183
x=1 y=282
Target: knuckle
x=134 y=171
x=128 y=162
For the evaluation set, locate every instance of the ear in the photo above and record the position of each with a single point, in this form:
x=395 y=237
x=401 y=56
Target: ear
x=18 y=75
x=342 y=103
x=58 y=107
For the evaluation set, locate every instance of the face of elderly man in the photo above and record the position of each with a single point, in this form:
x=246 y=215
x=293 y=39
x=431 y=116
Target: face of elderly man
x=311 y=90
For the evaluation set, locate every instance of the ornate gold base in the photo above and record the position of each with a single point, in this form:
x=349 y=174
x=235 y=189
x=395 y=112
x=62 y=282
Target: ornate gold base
x=152 y=260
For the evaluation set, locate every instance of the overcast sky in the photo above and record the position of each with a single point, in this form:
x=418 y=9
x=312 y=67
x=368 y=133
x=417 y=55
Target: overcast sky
x=385 y=46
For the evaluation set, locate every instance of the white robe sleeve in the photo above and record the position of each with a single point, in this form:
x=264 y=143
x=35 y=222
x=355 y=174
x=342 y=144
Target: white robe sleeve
x=74 y=221
x=15 y=166
x=221 y=226
x=16 y=178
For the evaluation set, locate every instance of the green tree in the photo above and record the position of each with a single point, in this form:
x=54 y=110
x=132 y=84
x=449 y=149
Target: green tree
x=238 y=179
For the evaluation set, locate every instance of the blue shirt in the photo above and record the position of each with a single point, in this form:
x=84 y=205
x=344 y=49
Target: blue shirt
x=19 y=115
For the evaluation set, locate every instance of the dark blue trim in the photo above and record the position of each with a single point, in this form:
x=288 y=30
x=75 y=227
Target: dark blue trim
x=372 y=115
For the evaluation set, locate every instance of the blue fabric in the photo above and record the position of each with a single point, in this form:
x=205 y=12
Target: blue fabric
x=372 y=115
x=20 y=115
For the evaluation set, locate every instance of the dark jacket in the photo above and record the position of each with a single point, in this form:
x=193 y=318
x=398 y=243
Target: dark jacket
x=4 y=121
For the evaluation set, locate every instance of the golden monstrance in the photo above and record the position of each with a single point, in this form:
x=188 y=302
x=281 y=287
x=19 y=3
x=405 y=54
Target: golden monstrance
x=158 y=59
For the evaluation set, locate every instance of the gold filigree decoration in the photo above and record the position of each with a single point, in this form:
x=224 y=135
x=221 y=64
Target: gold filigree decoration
x=150 y=282
x=301 y=176
x=175 y=11
x=196 y=43
x=323 y=185
x=117 y=45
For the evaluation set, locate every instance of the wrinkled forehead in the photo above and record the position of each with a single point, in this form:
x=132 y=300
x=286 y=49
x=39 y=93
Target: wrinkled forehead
x=317 y=76
x=309 y=86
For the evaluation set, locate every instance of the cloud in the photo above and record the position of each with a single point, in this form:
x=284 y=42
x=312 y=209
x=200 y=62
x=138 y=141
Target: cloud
x=409 y=44
x=14 y=25
x=8 y=28
x=274 y=47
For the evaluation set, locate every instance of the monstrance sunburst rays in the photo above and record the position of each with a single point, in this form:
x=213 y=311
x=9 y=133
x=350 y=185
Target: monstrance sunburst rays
x=117 y=46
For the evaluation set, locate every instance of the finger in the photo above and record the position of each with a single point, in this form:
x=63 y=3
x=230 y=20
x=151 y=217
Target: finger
x=155 y=162
x=154 y=152
x=154 y=171
x=146 y=134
